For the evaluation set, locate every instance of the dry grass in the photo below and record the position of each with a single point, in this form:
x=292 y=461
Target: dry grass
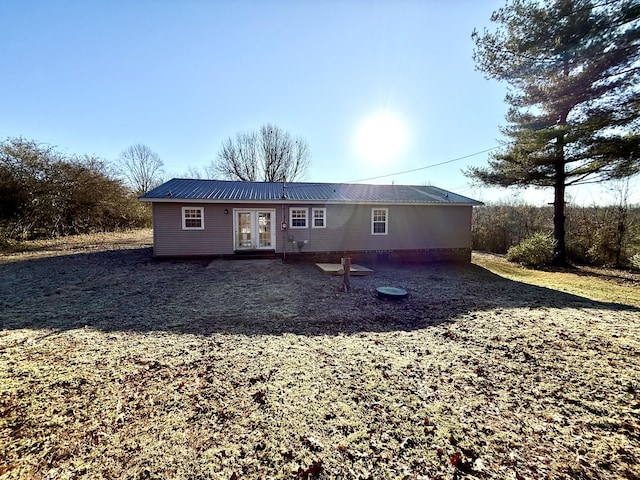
x=608 y=285
x=113 y=365
x=77 y=243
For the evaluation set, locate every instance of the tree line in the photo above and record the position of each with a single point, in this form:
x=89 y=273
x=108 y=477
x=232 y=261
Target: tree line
x=45 y=193
x=600 y=235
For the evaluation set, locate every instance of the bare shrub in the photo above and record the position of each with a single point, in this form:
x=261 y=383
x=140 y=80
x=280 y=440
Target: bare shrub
x=535 y=251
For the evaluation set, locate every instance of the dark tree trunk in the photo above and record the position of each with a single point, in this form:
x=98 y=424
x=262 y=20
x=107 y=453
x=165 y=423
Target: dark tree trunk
x=560 y=252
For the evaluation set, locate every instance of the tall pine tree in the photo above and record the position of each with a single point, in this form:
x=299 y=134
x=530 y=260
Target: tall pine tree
x=573 y=67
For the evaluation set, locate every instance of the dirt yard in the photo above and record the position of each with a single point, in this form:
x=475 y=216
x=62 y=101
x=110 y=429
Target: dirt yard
x=114 y=365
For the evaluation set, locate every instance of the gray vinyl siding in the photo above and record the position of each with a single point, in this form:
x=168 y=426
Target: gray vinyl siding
x=348 y=228
x=409 y=227
x=171 y=240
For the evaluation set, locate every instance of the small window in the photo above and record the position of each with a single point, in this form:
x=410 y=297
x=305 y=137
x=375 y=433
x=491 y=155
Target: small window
x=298 y=217
x=379 y=219
x=318 y=217
x=193 y=218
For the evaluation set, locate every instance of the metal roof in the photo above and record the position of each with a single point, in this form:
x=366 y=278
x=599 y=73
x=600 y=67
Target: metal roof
x=217 y=191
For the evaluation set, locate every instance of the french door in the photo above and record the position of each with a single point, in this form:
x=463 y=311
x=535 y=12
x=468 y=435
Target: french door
x=254 y=229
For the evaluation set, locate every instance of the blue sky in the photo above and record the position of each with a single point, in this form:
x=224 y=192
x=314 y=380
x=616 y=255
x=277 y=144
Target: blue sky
x=94 y=77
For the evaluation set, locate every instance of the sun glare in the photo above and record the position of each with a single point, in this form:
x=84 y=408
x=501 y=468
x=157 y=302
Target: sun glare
x=381 y=137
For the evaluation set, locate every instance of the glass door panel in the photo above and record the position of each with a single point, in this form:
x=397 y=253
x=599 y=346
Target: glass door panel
x=244 y=230
x=264 y=229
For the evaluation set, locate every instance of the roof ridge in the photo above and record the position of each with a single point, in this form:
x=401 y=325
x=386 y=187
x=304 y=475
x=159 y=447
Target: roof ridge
x=214 y=190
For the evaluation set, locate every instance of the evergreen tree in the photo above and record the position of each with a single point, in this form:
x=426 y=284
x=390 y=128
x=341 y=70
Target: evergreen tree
x=573 y=67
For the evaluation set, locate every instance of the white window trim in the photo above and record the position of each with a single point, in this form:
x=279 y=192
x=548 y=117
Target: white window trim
x=324 y=217
x=306 y=217
x=184 y=219
x=386 y=221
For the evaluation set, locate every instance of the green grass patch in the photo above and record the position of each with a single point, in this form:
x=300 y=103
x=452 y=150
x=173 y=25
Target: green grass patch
x=608 y=285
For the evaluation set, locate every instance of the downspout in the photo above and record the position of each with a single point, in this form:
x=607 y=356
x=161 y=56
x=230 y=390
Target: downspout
x=284 y=230
x=284 y=236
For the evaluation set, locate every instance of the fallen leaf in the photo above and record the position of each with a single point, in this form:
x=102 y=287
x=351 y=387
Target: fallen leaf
x=5 y=468
x=457 y=460
x=313 y=470
x=259 y=397
x=288 y=455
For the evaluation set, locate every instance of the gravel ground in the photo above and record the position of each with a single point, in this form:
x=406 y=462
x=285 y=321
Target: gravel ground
x=116 y=365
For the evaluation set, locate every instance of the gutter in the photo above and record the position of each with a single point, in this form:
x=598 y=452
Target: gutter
x=290 y=201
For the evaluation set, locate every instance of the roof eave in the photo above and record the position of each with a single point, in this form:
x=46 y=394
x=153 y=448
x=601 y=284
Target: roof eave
x=289 y=201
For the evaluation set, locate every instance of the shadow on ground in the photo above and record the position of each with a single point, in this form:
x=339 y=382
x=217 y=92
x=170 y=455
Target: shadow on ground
x=127 y=290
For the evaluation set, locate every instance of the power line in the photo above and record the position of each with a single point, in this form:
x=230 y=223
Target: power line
x=424 y=168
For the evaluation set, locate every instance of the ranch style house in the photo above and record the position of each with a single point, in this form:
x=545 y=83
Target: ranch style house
x=320 y=220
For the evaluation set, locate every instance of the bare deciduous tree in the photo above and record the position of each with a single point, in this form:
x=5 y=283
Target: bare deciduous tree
x=621 y=190
x=194 y=172
x=141 y=168
x=269 y=155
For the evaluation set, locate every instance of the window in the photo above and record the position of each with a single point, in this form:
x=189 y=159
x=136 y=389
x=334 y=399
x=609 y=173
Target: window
x=298 y=217
x=193 y=218
x=379 y=220
x=318 y=216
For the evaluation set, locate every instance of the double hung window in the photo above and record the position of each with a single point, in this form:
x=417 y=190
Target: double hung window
x=318 y=217
x=193 y=218
x=298 y=217
x=379 y=221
